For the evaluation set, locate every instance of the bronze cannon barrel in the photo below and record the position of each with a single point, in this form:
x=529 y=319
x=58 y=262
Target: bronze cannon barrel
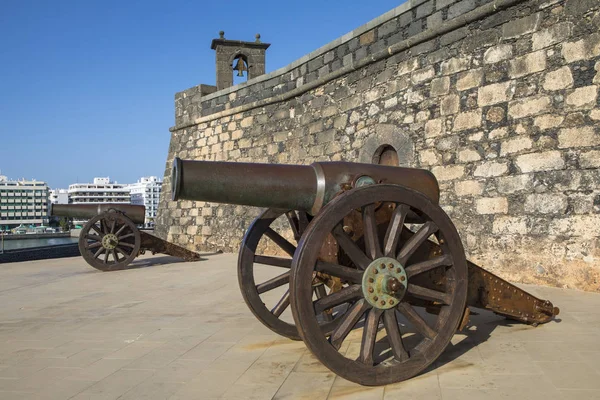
x=136 y=213
x=293 y=187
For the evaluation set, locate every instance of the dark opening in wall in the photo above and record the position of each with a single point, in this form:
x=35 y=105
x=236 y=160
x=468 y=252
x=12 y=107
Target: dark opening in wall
x=386 y=155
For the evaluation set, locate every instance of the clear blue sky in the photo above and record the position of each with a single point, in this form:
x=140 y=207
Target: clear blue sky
x=86 y=87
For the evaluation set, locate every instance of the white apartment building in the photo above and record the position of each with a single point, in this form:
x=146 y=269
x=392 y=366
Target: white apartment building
x=22 y=202
x=59 y=196
x=101 y=191
x=147 y=192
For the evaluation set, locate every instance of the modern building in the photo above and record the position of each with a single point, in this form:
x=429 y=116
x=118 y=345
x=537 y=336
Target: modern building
x=147 y=192
x=59 y=196
x=101 y=191
x=22 y=203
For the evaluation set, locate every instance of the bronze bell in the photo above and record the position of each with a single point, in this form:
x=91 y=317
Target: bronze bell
x=240 y=66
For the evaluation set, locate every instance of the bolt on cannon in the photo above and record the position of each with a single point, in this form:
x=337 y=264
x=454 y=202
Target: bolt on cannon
x=110 y=240
x=375 y=255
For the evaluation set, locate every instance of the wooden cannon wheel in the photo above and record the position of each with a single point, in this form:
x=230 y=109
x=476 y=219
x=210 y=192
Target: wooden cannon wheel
x=382 y=336
x=109 y=241
x=264 y=226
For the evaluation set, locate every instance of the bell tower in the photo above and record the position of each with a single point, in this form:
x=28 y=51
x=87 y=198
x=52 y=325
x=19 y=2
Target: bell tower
x=238 y=57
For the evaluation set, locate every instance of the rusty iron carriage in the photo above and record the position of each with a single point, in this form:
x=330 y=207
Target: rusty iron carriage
x=110 y=239
x=376 y=258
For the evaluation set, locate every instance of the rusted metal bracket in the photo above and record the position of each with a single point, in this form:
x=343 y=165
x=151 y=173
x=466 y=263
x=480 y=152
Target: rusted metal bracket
x=490 y=292
x=158 y=245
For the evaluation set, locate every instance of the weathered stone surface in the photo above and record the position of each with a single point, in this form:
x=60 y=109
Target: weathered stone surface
x=545 y=161
x=527 y=64
x=433 y=128
x=440 y=86
x=448 y=172
x=545 y=203
x=530 y=106
x=549 y=121
x=467 y=120
x=578 y=137
x=492 y=205
x=498 y=53
x=469 y=79
x=513 y=184
x=559 y=79
x=450 y=105
x=468 y=155
x=590 y=159
x=455 y=65
x=491 y=168
x=495 y=93
x=521 y=26
x=552 y=35
x=584 y=97
x=515 y=146
x=468 y=188
x=510 y=225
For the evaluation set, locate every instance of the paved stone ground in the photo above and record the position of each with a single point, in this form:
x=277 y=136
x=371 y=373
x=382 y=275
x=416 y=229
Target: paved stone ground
x=171 y=330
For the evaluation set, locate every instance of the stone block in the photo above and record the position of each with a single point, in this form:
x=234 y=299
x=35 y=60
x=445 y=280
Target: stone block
x=247 y=122
x=498 y=133
x=498 y=53
x=408 y=66
x=433 y=128
x=468 y=188
x=587 y=226
x=590 y=159
x=448 y=172
x=495 y=93
x=389 y=103
x=460 y=8
x=422 y=75
x=490 y=169
x=582 y=49
x=521 y=26
x=469 y=79
x=529 y=106
x=542 y=161
x=504 y=225
x=440 y=86
x=515 y=183
x=527 y=64
x=447 y=143
x=467 y=120
x=562 y=78
x=548 y=121
x=595 y=115
x=449 y=105
x=515 y=145
x=552 y=35
x=491 y=205
x=454 y=65
x=428 y=157
x=584 y=136
x=545 y=203
x=582 y=98
x=468 y=155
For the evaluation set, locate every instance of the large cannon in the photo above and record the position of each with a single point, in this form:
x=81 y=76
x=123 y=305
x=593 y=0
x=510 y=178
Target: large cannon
x=110 y=240
x=377 y=262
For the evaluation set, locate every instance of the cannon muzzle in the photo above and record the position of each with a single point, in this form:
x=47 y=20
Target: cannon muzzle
x=136 y=213
x=291 y=187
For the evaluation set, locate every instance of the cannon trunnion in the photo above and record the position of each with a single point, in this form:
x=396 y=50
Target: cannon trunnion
x=377 y=281
x=110 y=240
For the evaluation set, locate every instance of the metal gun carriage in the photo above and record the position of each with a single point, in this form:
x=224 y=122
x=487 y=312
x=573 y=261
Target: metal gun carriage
x=110 y=239
x=376 y=261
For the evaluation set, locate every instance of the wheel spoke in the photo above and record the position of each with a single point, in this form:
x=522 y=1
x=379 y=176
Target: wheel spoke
x=273 y=261
x=414 y=318
x=369 y=336
x=302 y=222
x=392 y=330
x=94 y=245
x=98 y=229
x=273 y=283
x=347 y=322
x=335 y=299
x=127 y=244
x=282 y=304
x=93 y=237
x=281 y=241
x=350 y=248
x=120 y=250
x=294 y=224
x=97 y=253
x=126 y=236
x=415 y=241
x=120 y=230
x=105 y=257
x=372 y=246
x=321 y=293
x=392 y=236
x=428 y=294
x=350 y=274
x=424 y=266
x=112 y=226
x=115 y=256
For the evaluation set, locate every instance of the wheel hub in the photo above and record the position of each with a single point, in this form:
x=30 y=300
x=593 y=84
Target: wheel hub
x=384 y=283
x=110 y=241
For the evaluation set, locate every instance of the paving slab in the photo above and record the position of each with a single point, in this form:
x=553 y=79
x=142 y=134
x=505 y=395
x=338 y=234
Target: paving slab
x=173 y=330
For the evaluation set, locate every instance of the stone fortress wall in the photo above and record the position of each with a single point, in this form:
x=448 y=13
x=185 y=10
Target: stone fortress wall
x=499 y=99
